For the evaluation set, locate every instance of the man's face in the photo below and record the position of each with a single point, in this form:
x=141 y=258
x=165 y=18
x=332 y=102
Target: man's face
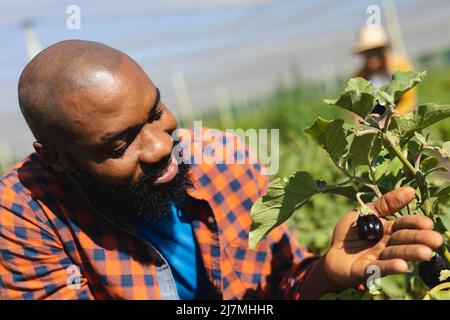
x=120 y=152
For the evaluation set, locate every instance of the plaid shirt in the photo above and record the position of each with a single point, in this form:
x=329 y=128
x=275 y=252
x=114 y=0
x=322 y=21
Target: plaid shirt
x=49 y=234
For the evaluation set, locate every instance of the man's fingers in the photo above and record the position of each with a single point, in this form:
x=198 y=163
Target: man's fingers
x=414 y=252
x=428 y=238
x=393 y=201
x=392 y=266
x=412 y=222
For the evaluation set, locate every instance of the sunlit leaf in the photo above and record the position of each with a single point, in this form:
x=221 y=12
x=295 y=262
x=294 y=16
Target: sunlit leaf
x=330 y=135
x=404 y=126
x=389 y=174
x=280 y=202
x=401 y=82
x=444 y=151
x=363 y=150
x=420 y=138
x=428 y=164
x=358 y=97
x=440 y=295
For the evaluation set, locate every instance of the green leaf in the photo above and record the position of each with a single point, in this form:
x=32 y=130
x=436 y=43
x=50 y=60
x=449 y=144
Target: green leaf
x=376 y=148
x=389 y=173
x=442 y=194
x=358 y=97
x=280 y=202
x=440 y=152
x=401 y=82
x=363 y=150
x=394 y=286
x=444 y=151
x=347 y=294
x=360 y=85
x=420 y=138
x=404 y=126
x=330 y=135
x=440 y=295
x=385 y=98
x=428 y=164
x=388 y=167
x=346 y=191
x=414 y=146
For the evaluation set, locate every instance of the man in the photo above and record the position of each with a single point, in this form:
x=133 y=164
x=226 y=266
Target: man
x=102 y=211
x=379 y=63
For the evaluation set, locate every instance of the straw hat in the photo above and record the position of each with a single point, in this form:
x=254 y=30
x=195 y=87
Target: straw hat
x=371 y=38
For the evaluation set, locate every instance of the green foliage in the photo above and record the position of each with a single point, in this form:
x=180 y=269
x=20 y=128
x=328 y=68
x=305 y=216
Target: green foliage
x=330 y=135
x=357 y=98
x=390 y=148
x=294 y=109
x=402 y=81
x=404 y=126
x=281 y=200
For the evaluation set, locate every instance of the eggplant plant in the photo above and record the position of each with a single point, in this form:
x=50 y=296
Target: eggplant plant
x=376 y=153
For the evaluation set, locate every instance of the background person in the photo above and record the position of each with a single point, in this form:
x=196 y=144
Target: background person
x=379 y=63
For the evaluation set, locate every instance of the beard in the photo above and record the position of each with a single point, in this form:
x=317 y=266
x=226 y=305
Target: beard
x=140 y=199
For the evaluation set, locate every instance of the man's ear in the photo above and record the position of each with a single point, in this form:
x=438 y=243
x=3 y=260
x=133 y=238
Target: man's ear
x=51 y=157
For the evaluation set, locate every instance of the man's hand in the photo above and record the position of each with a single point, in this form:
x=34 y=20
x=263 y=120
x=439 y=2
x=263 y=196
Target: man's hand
x=409 y=238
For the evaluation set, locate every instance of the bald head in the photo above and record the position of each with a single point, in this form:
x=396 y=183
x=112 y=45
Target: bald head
x=49 y=82
x=93 y=109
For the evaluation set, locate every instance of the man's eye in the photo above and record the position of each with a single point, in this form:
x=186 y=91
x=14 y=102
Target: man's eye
x=118 y=153
x=155 y=114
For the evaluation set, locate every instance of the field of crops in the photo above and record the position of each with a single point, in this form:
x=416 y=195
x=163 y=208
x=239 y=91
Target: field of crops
x=292 y=109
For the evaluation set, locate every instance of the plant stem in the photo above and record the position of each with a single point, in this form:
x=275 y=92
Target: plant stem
x=366 y=132
x=419 y=157
x=330 y=188
x=389 y=115
x=372 y=177
x=399 y=154
x=374 y=187
x=425 y=201
x=358 y=197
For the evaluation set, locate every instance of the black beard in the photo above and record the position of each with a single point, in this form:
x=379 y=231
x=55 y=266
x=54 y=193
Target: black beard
x=141 y=199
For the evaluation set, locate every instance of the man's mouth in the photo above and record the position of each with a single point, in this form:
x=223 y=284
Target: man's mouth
x=170 y=172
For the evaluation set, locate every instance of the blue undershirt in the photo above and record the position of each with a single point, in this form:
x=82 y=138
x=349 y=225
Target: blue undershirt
x=174 y=238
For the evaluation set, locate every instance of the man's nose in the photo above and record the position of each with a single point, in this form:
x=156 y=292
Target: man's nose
x=156 y=145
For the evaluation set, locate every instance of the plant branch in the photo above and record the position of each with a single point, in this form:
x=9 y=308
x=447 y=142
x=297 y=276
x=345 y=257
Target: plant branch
x=419 y=158
x=373 y=178
x=374 y=187
x=424 y=205
x=400 y=155
x=441 y=287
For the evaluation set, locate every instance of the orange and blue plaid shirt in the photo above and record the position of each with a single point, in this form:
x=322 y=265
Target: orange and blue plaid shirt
x=49 y=234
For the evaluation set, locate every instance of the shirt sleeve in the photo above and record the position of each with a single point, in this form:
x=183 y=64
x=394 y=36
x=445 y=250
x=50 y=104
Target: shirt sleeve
x=291 y=262
x=33 y=263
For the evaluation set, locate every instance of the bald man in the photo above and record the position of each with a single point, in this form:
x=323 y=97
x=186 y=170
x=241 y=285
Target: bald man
x=102 y=210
